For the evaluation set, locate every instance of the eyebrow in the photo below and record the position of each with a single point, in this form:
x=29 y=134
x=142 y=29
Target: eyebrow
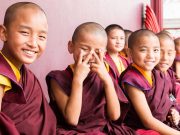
x=85 y=45
x=142 y=46
x=29 y=28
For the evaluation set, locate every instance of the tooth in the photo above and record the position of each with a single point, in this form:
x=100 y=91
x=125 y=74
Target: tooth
x=29 y=52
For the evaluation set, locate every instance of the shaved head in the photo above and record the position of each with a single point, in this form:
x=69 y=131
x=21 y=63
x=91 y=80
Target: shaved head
x=11 y=12
x=136 y=36
x=177 y=41
x=165 y=36
x=112 y=27
x=88 y=27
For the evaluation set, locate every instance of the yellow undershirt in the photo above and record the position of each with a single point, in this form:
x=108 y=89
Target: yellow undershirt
x=122 y=53
x=4 y=80
x=144 y=73
x=120 y=66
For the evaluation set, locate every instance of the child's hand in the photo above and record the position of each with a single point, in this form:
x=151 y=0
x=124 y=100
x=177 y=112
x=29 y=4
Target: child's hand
x=99 y=66
x=82 y=67
x=174 y=116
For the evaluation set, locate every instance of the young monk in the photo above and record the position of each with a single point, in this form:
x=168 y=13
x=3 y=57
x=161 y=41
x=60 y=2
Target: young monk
x=24 y=109
x=144 y=87
x=83 y=96
x=116 y=41
x=166 y=60
x=124 y=51
x=177 y=58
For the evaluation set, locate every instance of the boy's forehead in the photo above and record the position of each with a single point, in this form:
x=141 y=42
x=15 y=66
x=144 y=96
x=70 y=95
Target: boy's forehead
x=146 y=39
x=87 y=36
x=21 y=11
x=92 y=40
x=29 y=13
x=26 y=8
x=167 y=42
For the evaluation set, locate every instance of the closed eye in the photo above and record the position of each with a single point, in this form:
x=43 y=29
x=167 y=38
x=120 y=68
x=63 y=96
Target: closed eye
x=42 y=37
x=85 y=49
x=25 y=33
x=170 y=53
x=143 y=50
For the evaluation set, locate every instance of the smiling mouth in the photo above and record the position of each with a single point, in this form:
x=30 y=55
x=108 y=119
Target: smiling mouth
x=163 y=64
x=29 y=52
x=150 y=62
x=119 y=46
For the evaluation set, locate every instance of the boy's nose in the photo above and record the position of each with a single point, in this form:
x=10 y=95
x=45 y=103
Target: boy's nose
x=92 y=59
x=118 y=41
x=164 y=56
x=33 y=42
x=150 y=54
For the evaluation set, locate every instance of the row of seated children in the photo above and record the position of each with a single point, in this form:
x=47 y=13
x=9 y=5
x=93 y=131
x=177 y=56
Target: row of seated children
x=85 y=97
x=166 y=75
x=150 y=88
x=93 y=109
x=91 y=101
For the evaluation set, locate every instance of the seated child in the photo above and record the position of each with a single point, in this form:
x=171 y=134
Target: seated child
x=115 y=44
x=145 y=87
x=83 y=96
x=166 y=60
x=24 y=109
x=124 y=52
x=177 y=58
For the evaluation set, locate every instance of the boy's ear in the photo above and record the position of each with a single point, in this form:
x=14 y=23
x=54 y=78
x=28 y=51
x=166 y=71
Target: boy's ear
x=70 y=47
x=3 y=35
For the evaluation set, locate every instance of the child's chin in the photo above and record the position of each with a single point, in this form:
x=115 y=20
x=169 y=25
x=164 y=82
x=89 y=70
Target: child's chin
x=163 y=69
x=29 y=61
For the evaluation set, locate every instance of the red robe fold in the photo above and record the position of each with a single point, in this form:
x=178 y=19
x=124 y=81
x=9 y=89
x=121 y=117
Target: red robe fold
x=177 y=57
x=7 y=126
x=114 y=72
x=158 y=95
x=24 y=107
x=93 y=118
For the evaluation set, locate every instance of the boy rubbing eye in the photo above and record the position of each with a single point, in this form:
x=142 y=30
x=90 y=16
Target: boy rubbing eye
x=83 y=96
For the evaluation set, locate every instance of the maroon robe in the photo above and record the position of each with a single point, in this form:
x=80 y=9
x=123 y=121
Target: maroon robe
x=93 y=118
x=7 y=126
x=24 y=107
x=114 y=72
x=178 y=92
x=158 y=95
x=177 y=57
